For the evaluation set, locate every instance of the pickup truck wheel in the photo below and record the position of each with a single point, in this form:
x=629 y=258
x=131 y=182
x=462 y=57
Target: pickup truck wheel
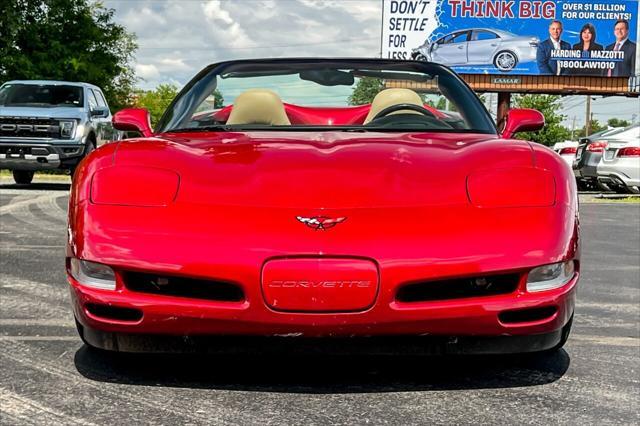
x=23 y=177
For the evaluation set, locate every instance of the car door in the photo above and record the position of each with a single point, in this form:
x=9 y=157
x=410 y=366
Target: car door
x=107 y=124
x=452 y=50
x=482 y=47
x=99 y=122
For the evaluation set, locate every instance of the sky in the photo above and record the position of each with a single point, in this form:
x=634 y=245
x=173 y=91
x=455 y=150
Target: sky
x=177 y=38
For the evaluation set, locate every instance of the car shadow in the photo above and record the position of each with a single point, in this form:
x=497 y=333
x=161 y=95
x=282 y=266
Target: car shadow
x=321 y=374
x=40 y=186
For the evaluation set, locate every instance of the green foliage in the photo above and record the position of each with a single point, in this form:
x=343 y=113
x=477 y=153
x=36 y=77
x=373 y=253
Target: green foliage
x=616 y=122
x=441 y=104
x=366 y=89
x=549 y=106
x=595 y=128
x=72 y=40
x=156 y=101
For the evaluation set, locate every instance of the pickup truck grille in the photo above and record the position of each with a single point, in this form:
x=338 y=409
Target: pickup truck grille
x=27 y=150
x=24 y=127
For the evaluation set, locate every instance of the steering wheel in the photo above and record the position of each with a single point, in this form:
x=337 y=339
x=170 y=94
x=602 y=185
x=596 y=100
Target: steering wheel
x=399 y=107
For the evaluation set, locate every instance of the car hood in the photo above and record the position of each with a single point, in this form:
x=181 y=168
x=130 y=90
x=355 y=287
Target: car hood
x=323 y=170
x=43 y=112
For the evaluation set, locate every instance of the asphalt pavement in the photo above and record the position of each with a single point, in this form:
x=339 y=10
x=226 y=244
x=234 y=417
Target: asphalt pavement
x=49 y=377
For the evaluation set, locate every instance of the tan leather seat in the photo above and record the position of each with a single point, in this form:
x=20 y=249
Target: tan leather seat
x=258 y=106
x=389 y=97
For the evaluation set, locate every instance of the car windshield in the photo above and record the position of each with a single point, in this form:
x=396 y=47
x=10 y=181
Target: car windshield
x=27 y=95
x=316 y=95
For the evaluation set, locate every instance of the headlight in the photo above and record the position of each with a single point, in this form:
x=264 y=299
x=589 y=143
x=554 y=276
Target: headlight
x=66 y=128
x=552 y=276
x=145 y=186
x=79 y=131
x=92 y=274
x=512 y=187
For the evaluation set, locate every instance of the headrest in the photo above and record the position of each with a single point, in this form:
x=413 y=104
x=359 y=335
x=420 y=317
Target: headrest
x=389 y=97
x=258 y=106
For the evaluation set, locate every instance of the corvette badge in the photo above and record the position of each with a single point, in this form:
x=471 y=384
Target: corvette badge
x=320 y=222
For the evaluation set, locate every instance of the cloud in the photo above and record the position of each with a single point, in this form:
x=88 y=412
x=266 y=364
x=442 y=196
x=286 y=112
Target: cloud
x=180 y=37
x=147 y=71
x=213 y=11
x=173 y=64
x=223 y=27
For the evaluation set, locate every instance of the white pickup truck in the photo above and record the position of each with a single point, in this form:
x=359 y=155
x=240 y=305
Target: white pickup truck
x=48 y=125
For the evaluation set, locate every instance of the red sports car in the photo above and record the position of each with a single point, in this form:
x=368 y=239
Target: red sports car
x=333 y=201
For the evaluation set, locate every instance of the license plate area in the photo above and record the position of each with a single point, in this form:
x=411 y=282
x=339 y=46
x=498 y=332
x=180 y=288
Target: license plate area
x=320 y=284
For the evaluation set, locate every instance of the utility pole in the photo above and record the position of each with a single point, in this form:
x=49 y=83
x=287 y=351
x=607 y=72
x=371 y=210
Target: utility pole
x=587 y=126
x=573 y=127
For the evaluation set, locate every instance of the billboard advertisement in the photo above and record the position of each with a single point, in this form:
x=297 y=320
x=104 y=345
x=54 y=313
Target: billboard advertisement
x=519 y=37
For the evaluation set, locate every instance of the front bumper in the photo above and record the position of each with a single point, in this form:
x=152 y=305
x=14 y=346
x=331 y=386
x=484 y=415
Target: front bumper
x=624 y=172
x=166 y=319
x=37 y=155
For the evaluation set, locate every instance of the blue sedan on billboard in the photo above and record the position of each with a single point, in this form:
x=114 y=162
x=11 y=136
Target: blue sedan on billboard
x=479 y=46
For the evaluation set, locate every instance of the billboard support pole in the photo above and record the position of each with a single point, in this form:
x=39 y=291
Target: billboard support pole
x=504 y=104
x=588 y=117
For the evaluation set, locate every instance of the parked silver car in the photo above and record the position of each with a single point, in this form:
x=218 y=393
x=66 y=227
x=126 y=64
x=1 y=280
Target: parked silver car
x=47 y=125
x=479 y=46
x=619 y=167
x=588 y=156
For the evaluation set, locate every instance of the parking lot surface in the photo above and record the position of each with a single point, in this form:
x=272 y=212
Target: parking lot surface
x=49 y=377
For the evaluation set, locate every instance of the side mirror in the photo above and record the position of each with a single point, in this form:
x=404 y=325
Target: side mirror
x=133 y=120
x=100 y=112
x=521 y=120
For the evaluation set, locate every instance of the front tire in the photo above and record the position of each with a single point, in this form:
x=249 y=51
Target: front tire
x=23 y=177
x=505 y=61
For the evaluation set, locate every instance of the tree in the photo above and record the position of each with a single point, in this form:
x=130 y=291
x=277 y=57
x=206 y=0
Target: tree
x=549 y=106
x=366 y=89
x=595 y=127
x=72 y=40
x=156 y=101
x=616 y=122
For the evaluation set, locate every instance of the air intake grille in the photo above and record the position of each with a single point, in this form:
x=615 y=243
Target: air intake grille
x=29 y=127
x=193 y=288
x=458 y=288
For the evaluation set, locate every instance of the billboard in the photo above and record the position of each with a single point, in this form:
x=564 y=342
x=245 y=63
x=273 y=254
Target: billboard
x=519 y=37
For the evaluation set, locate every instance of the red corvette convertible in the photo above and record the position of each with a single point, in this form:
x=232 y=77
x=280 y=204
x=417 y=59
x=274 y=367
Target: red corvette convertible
x=343 y=203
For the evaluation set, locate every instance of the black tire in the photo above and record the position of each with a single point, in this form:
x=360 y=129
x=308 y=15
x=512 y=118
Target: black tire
x=505 y=61
x=621 y=189
x=23 y=177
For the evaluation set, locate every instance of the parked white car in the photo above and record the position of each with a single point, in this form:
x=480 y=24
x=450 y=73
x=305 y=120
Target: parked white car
x=619 y=167
x=567 y=150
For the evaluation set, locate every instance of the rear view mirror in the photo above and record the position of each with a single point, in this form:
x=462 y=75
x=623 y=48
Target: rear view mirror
x=521 y=120
x=328 y=77
x=133 y=120
x=100 y=112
